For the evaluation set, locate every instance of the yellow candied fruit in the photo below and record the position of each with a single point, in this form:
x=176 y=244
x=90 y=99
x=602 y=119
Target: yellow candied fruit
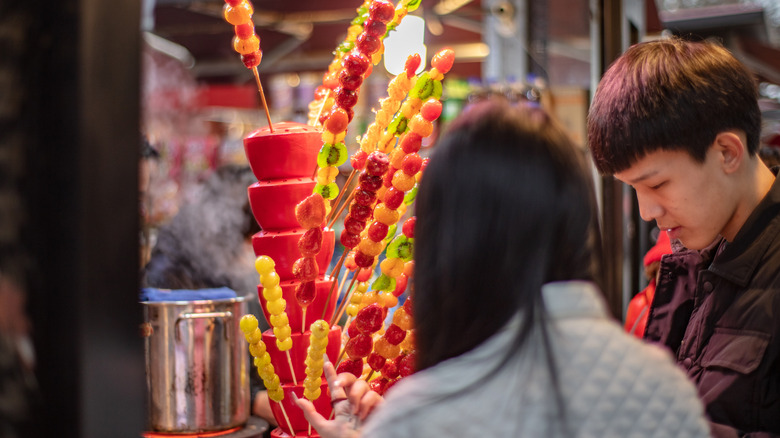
x=385 y=215
x=276 y=307
x=313 y=364
x=269 y=280
x=328 y=207
x=380 y=194
x=354 y=31
x=408 y=343
x=361 y=287
x=370 y=297
x=356 y=298
x=371 y=248
x=331 y=138
x=352 y=309
x=383 y=117
x=257 y=349
x=392 y=267
x=276 y=395
x=312 y=395
x=397 y=158
x=411 y=107
x=282 y=333
x=389 y=300
x=262 y=360
x=248 y=323
x=280 y=320
x=272 y=294
x=254 y=336
x=247 y=45
x=239 y=14
x=401 y=210
x=402 y=181
x=326 y=175
x=395 y=91
x=420 y=126
x=319 y=329
x=377 y=56
x=389 y=105
x=435 y=74
x=266 y=371
x=284 y=345
x=264 y=264
x=385 y=349
x=402 y=319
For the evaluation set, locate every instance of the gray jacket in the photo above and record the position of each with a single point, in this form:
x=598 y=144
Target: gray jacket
x=612 y=384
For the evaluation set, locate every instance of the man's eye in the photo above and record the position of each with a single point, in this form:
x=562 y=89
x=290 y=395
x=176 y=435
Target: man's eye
x=657 y=186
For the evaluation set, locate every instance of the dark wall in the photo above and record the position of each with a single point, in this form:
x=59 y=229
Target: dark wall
x=79 y=127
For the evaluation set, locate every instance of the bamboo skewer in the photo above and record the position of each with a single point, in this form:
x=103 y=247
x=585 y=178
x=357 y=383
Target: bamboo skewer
x=286 y=418
x=344 y=301
x=292 y=370
x=262 y=98
x=341 y=195
x=338 y=213
x=335 y=271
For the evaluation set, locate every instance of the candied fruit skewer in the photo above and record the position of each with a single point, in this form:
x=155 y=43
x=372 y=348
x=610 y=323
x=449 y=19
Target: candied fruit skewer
x=315 y=354
x=262 y=361
x=276 y=305
x=247 y=43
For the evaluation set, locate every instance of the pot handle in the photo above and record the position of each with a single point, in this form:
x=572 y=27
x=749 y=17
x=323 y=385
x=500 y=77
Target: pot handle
x=200 y=315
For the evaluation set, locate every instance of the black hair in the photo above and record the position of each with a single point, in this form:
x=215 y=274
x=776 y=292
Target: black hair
x=505 y=206
x=670 y=94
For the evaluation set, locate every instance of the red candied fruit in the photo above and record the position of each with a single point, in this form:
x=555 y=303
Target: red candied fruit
x=305 y=293
x=390 y=370
x=443 y=60
x=368 y=44
x=358 y=160
x=364 y=197
x=412 y=64
x=245 y=30
x=394 y=334
x=352 y=330
x=363 y=260
x=305 y=269
x=350 y=82
x=408 y=227
x=355 y=63
x=349 y=240
x=369 y=319
x=377 y=231
x=310 y=212
x=400 y=285
x=346 y=98
x=252 y=59
x=375 y=28
x=411 y=164
x=352 y=225
x=369 y=182
x=354 y=367
x=364 y=275
x=331 y=80
x=406 y=365
x=377 y=163
x=359 y=346
x=387 y=179
x=233 y=2
x=411 y=142
x=375 y=361
x=393 y=198
x=431 y=110
x=360 y=212
x=320 y=92
x=408 y=306
x=350 y=113
x=310 y=242
x=381 y=10
x=379 y=385
x=424 y=164
x=349 y=262
x=337 y=120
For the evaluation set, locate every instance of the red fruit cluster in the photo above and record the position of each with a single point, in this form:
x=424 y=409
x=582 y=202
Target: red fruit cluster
x=310 y=214
x=369 y=181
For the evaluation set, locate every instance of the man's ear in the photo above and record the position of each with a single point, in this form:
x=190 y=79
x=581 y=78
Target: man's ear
x=732 y=149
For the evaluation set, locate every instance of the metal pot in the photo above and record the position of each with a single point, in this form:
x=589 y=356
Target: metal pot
x=196 y=365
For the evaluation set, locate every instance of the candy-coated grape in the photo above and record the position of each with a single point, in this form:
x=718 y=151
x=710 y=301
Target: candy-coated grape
x=269 y=280
x=352 y=309
x=336 y=122
x=408 y=227
x=245 y=30
x=392 y=267
x=332 y=154
x=247 y=323
x=389 y=300
x=375 y=361
x=353 y=366
x=319 y=329
x=239 y=14
x=246 y=46
x=329 y=191
x=355 y=63
x=377 y=231
x=359 y=346
x=411 y=142
x=411 y=164
x=369 y=182
x=370 y=248
x=305 y=269
x=272 y=293
x=409 y=269
x=277 y=394
x=386 y=349
x=312 y=364
x=385 y=215
x=360 y=212
x=257 y=349
x=368 y=44
x=350 y=82
x=393 y=199
x=364 y=197
x=358 y=160
x=310 y=212
x=375 y=28
x=276 y=307
x=412 y=64
x=349 y=240
x=363 y=260
x=403 y=182
x=282 y=332
x=264 y=264
x=381 y=10
x=267 y=371
x=254 y=336
x=346 y=98
x=310 y=243
x=402 y=319
x=390 y=370
x=377 y=163
x=252 y=60
x=312 y=395
x=353 y=225
x=305 y=293
x=279 y=320
x=443 y=60
x=369 y=298
x=284 y=344
x=394 y=334
x=400 y=284
x=369 y=319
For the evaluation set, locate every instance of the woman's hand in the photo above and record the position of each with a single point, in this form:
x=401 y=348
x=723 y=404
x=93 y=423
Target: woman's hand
x=352 y=401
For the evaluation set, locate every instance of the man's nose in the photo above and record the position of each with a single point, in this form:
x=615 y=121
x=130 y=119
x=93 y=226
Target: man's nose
x=649 y=209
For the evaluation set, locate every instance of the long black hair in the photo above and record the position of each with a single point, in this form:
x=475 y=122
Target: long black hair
x=505 y=206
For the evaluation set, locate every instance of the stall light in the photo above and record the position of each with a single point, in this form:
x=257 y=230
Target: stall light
x=407 y=39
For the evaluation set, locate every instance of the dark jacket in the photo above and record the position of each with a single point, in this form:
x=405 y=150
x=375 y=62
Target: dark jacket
x=718 y=310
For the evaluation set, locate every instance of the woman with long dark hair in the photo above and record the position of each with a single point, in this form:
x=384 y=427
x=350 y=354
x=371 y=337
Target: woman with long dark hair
x=512 y=334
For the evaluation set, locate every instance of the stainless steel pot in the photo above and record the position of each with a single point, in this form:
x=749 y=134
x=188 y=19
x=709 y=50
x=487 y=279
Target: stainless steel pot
x=196 y=365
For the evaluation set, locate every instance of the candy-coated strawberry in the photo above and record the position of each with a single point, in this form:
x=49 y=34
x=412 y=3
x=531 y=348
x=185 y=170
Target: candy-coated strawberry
x=368 y=44
x=369 y=319
x=350 y=82
x=360 y=212
x=390 y=370
x=310 y=242
x=375 y=28
x=375 y=361
x=406 y=366
x=359 y=346
x=346 y=98
x=305 y=269
x=310 y=212
x=355 y=367
x=394 y=334
x=412 y=64
x=443 y=60
x=305 y=293
x=352 y=329
x=378 y=385
x=354 y=225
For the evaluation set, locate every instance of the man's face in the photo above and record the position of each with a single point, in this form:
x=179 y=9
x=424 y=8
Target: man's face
x=690 y=199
